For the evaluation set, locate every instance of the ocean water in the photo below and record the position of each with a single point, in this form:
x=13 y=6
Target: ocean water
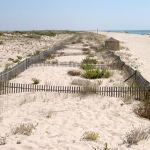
x=131 y=31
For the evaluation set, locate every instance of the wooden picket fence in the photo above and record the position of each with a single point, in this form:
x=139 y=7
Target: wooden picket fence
x=73 y=64
x=123 y=92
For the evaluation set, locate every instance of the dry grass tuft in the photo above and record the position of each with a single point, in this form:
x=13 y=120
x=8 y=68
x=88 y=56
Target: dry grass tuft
x=74 y=73
x=35 y=81
x=24 y=129
x=90 y=136
x=136 y=135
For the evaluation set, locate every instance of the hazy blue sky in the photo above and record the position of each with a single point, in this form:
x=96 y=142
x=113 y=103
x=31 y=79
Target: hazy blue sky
x=74 y=14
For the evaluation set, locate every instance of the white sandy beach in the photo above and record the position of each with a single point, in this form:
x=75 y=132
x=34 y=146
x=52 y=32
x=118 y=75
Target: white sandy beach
x=135 y=51
x=61 y=119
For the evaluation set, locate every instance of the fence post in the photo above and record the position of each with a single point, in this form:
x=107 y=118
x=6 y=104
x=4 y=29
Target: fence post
x=26 y=63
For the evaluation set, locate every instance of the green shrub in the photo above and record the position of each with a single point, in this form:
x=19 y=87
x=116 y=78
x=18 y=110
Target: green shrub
x=89 y=61
x=1 y=42
x=35 y=81
x=92 y=74
x=105 y=73
x=87 y=67
x=1 y=34
x=95 y=73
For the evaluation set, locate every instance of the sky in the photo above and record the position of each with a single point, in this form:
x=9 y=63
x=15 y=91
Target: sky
x=74 y=15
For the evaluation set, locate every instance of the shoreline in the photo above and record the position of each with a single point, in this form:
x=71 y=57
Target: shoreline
x=134 y=51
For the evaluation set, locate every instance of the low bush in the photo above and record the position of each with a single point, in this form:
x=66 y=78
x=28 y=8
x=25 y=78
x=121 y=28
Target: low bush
x=143 y=109
x=74 y=73
x=92 y=74
x=35 y=81
x=96 y=73
x=87 y=67
x=89 y=61
x=1 y=42
x=105 y=73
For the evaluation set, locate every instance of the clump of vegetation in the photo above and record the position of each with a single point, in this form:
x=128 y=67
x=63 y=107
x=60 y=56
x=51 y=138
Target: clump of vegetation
x=90 y=136
x=105 y=147
x=44 y=32
x=68 y=32
x=15 y=60
x=37 y=52
x=143 y=109
x=87 y=67
x=33 y=36
x=55 y=61
x=89 y=61
x=73 y=42
x=136 y=135
x=19 y=57
x=2 y=140
x=30 y=54
x=36 y=34
x=74 y=73
x=18 y=142
x=35 y=81
x=1 y=42
x=92 y=72
x=24 y=129
x=6 y=66
x=1 y=34
x=86 y=51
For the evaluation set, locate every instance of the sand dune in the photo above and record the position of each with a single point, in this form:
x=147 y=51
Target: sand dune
x=59 y=120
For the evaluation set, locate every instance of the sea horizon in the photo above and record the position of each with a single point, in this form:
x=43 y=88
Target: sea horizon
x=131 y=31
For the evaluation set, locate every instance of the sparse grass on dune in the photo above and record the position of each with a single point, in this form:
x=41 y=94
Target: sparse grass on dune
x=89 y=61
